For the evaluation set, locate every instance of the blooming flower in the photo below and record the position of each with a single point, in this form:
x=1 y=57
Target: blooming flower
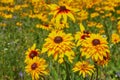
x=45 y=26
x=104 y=61
x=62 y=11
x=95 y=47
x=84 y=68
x=59 y=44
x=37 y=67
x=81 y=35
x=31 y=53
x=115 y=38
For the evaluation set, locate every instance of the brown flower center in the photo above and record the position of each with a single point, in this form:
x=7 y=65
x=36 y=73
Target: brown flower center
x=86 y=32
x=33 y=66
x=46 y=25
x=58 y=39
x=33 y=54
x=63 y=8
x=96 y=42
x=84 y=36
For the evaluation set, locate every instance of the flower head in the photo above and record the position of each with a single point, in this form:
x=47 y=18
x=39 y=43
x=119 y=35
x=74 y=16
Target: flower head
x=105 y=60
x=95 y=47
x=45 y=26
x=84 y=68
x=115 y=38
x=62 y=11
x=31 y=53
x=59 y=44
x=37 y=67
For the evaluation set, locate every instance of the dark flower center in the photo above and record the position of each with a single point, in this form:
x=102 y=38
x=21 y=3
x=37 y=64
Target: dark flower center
x=84 y=36
x=33 y=66
x=62 y=8
x=33 y=54
x=96 y=42
x=46 y=25
x=104 y=57
x=86 y=32
x=58 y=39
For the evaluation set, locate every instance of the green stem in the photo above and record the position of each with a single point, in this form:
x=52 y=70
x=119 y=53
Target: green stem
x=67 y=71
x=91 y=77
x=96 y=72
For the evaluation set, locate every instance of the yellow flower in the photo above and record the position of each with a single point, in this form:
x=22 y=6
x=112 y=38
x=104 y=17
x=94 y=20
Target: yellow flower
x=91 y=24
x=7 y=1
x=115 y=38
x=59 y=44
x=95 y=47
x=18 y=23
x=61 y=25
x=84 y=68
x=80 y=36
x=31 y=53
x=37 y=67
x=82 y=15
x=95 y=14
x=99 y=25
x=62 y=12
x=45 y=26
x=105 y=60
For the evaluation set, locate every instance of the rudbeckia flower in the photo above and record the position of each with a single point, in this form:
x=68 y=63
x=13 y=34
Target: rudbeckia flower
x=81 y=35
x=84 y=68
x=62 y=12
x=115 y=38
x=59 y=44
x=31 y=53
x=105 y=60
x=7 y=1
x=61 y=25
x=95 y=47
x=36 y=68
x=45 y=26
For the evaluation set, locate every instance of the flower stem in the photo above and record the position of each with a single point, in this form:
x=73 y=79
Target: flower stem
x=67 y=71
x=96 y=72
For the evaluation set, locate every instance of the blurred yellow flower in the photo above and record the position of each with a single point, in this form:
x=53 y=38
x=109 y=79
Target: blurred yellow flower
x=95 y=14
x=36 y=68
x=59 y=44
x=60 y=25
x=7 y=1
x=115 y=38
x=84 y=68
x=45 y=26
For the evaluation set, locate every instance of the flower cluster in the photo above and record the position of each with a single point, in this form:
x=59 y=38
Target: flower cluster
x=35 y=66
x=78 y=33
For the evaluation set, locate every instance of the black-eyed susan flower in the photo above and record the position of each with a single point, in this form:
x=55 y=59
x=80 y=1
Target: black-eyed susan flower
x=95 y=47
x=61 y=25
x=84 y=68
x=31 y=53
x=45 y=26
x=7 y=1
x=59 y=44
x=105 y=60
x=115 y=38
x=62 y=12
x=36 y=68
x=81 y=35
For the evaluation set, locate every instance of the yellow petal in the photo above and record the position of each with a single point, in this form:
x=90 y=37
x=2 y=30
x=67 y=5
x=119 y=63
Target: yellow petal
x=82 y=27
